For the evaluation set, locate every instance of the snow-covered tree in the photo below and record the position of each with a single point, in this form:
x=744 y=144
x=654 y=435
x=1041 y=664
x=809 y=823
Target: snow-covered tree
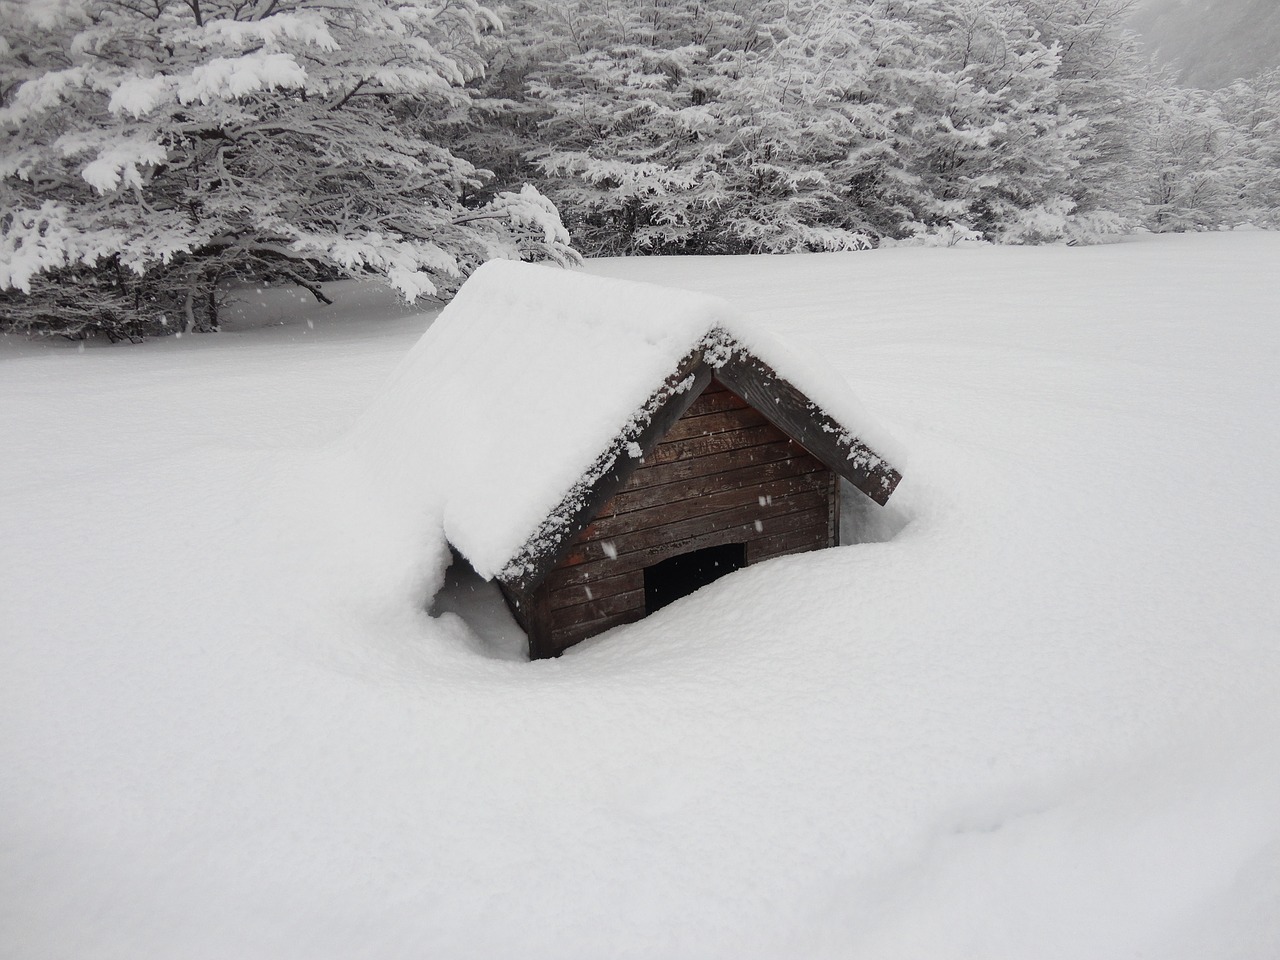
x=1253 y=108
x=153 y=149
x=719 y=126
x=694 y=126
x=1198 y=166
x=985 y=135
x=1102 y=79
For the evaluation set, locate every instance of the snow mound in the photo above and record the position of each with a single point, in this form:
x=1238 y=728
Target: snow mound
x=1043 y=723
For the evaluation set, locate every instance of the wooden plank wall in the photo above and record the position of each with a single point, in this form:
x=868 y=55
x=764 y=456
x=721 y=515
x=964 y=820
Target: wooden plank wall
x=722 y=474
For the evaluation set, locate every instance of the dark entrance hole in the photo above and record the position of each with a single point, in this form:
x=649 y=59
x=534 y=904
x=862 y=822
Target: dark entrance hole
x=678 y=577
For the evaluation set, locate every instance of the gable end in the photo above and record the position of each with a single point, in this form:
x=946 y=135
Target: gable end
x=779 y=401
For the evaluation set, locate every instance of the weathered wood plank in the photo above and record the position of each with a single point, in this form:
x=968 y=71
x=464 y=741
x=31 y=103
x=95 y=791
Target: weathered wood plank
x=698 y=426
x=585 y=572
x=797 y=541
x=752 y=513
x=598 y=609
x=650 y=475
x=788 y=408
x=833 y=510
x=644 y=497
x=541 y=645
x=662 y=514
x=519 y=603
x=714 y=401
x=598 y=589
x=702 y=446
x=716 y=396
x=565 y=637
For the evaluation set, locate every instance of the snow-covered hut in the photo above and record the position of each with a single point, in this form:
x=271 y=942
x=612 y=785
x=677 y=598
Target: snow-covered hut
x=604 y=447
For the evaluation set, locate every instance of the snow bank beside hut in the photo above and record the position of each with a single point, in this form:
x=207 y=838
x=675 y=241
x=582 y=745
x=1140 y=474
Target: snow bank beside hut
x=1042 y=722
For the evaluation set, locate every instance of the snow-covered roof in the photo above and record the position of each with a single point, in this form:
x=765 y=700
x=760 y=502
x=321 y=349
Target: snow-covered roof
x=535 y=381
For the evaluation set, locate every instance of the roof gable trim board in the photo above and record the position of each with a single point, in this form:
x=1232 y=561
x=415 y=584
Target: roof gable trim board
x=792 y=412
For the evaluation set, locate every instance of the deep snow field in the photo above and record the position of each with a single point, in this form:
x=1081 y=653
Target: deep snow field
x=1037 y=717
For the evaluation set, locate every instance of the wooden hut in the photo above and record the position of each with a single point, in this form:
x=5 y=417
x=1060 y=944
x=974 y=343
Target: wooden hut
x=699 y=446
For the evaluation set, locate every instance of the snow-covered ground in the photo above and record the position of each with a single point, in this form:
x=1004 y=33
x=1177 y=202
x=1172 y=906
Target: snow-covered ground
x=1041 y=721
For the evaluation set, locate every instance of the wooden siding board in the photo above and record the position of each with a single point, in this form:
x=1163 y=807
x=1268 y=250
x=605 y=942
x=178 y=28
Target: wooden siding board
x=600 y=608
x=518 y=602
x=714 y=401
x=744 y=533
x=696 y=426
x=565 y=636
x=701 y=446
x=748 y=495
x=752 y=513
x=833 y=521
x=718 y=463
x=794 y=541
x=603 y=587
x=760 y=553
x=541 y=644
x=642 y=498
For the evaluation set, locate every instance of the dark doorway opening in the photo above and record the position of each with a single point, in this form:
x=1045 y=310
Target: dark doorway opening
x=677 y=577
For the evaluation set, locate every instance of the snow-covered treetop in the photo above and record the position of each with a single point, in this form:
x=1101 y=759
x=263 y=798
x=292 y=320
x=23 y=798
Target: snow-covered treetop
x=531 y=376
x=160 y=149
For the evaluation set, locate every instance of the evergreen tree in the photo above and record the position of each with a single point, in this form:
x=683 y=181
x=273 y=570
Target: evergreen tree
x=989 y=139
x=153 y=150
x=695 y=127
x=812 y=124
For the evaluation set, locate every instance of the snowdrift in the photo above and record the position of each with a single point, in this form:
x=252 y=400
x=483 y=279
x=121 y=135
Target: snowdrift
x=1041 y=722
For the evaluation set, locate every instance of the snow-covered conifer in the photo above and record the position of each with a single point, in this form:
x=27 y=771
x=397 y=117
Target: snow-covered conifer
x=811 y=124
x=1210 y=159
x=697 y=127
x=983 y=135
x=152 y=151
